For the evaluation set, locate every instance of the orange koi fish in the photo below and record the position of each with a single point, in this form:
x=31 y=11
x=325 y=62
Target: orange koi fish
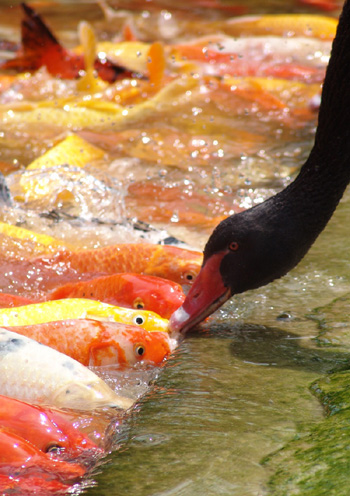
x=17 y=453
x=127 y=290
x=170 y=262
x=41 y=48
x=49 y=430
x=96 y=343
x=157 y=203
x=233 y=64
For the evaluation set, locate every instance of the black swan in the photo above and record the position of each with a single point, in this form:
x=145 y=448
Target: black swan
x=254 y=247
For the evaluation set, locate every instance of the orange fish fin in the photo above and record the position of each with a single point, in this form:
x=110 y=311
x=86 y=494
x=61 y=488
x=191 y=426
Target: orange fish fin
x=156 y=64
x=128 y=32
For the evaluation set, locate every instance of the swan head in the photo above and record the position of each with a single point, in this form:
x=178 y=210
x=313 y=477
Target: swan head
x=245 y=251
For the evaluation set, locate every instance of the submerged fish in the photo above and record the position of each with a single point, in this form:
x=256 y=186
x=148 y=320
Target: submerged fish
x=47 y=429
x=299 y=58
x=18 y=454
x=31 y=484
x=95 y=343
x=170 y=262
x=79 y=308
x=312 y=26
x=30 y=371
x=41 y=48
x=96 y=114
x=128 y=290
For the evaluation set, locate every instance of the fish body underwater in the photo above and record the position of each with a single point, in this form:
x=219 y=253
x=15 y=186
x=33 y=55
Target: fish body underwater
x=46 y=428
x=18 y=454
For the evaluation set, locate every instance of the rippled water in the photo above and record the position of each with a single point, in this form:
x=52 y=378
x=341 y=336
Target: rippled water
x=237 y=391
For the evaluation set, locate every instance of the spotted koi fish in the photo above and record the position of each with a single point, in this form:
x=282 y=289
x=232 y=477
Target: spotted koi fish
x=95 y=343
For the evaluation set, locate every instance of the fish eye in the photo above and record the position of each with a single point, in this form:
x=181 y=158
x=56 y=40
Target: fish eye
x=139 y=349
x=190 y=276
x=138 y=303
x=139 y=320
x=53 y=448
x=233 y=246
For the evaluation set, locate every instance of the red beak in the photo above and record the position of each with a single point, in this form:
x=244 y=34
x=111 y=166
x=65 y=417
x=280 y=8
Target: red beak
x=206 y=295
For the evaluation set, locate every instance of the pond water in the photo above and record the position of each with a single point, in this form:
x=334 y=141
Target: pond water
x=237 y=389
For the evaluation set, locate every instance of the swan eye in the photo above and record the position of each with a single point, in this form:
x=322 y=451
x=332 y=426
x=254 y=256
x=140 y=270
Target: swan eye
x=233 y=246
x=53 y=448
x=139 y=349
x=138 y=303
x=139 y=320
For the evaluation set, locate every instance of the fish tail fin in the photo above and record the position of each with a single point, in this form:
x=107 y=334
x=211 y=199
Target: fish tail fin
x=36 y=36
x=37 y=41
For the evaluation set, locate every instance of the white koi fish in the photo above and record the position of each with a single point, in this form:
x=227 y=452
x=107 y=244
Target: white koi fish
x=32 y=372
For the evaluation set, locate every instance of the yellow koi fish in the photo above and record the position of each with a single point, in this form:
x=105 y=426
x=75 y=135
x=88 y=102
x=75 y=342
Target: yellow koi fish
x=79 y=308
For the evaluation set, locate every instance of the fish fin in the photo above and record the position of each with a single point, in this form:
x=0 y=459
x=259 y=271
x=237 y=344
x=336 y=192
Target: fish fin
x=37 y=41
x=89 y=82
x=156 y=64
x=37 y=38
x=128 y=31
